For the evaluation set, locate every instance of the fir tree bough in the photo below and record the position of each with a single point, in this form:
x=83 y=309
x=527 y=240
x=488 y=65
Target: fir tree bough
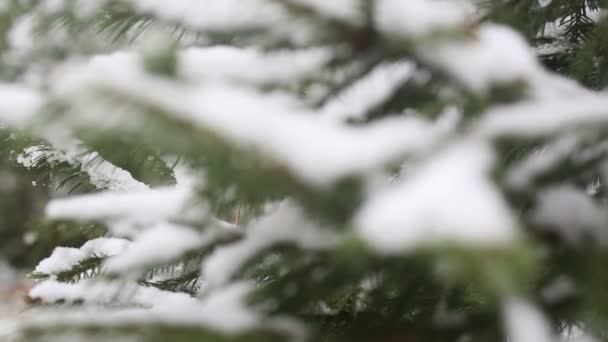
x=305 y=170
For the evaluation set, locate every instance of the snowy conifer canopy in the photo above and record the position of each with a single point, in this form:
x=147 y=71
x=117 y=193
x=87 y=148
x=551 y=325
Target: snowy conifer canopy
x=309 y=170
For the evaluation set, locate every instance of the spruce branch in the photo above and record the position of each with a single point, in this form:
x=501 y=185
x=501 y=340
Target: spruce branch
x=187 y=283
x=84 y=269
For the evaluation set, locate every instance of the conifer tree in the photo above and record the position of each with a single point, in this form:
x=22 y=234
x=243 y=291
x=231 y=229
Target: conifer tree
x=305 y=170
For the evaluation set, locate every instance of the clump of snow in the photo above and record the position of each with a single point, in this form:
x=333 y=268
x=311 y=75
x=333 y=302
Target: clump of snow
x=18 y=104
x=348 y=10
x=543 y=117
x=475 y=62
x=140 y=206
x=316 y=152
x=81 y=8
x=30 y=238
x=52 y=6
x=249 y=65
x=541 y=160
x=570 y=212
x=223 y=310
x=159 y=244
x=104 y=292
x=272 y=124
x=215 y=14
x=368 y=92
x=447 y=199
x=105 y=175
x=418 y=17
x=285 y=224
x=31 y=156
x=525 y=323
x=64 y=258
x=228 y=63
x=102 y=174
x=8 y=275
x=576 y=333
x=21 y=35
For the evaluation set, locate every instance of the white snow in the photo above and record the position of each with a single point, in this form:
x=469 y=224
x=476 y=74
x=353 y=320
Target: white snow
x=285 y=224
x=64 y=258
x=368 y=92
x=223 y=311
x=540 y=118
x=496 y=55
x=314 y=151
x=31 y=156
x=228 y=63
x=18 y=104
x=140 y=206
x=449 y=198
x=541 y=160
x=81 y=8
x=21 y=35
x=102 y=174
x=156 y=245
x=576 y=333
x=525 y=323
x=92 y=291
x=105 y=175
x=214 y=14
x=272 y=124
x=249 y=65
x=347 y=10
x=418 y=17
x=570 y=212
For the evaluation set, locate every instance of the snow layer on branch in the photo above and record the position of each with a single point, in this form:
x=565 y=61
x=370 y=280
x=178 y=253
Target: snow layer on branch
x=81 y=8
x=63 y=258
x=33 y=155
x=141 y=206
x=105 y=175
x=227 y=63
x=162 y=243
x=18 y=104
x=213 y=15
x=576 y=333
x=447 y=199
x=348 y=10
x=273 y=124
x=103 y=292
x=286 y=224
x=570 y=212
x=223 y=311
x=418 y=17
x=102 y=174
x=523 y=174
x=497 y=55
x=249 y=65
x=368 y=92
x=546 y=117
x=21 y=35
x=525 y=323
